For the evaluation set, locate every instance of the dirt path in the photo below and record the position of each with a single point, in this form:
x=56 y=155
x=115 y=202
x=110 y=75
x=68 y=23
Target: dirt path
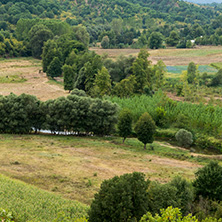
x=216 y=157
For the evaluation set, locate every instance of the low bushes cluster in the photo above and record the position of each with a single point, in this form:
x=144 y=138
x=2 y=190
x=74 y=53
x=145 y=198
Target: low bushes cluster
x=79 y=114
x=127 y=197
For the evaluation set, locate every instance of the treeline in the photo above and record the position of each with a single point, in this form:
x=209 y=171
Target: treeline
x=118 y=24
x=31 y=34
x=76 y=113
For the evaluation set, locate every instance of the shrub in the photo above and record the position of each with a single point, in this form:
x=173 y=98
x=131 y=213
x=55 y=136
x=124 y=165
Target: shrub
x=125 y=123
x=78 y=92
x=162 y=196
x=170 y=214
x=160 y=116
x=121 y=198
x=208 y=182
x=184 y=193
x=184 y=138
x=145 y=129
x=207 y=142
x=5 y=216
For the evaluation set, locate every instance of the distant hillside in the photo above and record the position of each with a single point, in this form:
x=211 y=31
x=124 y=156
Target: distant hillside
x=204 y=1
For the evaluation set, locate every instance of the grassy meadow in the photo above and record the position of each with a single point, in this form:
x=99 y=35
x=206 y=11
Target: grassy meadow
x=74 y=167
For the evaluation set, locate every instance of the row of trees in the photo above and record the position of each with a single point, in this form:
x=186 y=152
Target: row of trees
x=130 y=196
x=76 y=113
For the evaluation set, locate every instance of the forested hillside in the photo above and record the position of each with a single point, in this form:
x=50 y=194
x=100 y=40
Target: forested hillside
x=121 y=22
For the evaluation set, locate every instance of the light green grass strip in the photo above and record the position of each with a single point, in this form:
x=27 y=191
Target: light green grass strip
x=29 y=203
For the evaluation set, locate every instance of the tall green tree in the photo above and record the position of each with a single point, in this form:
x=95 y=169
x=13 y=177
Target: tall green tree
x=123 y=198
x=142 y=71
x=191 y=72
x=124 y=125
x=69 y=73
x=145 y=129
x=208 y=181
x=55 y=68
x=102 y=84
x=155 y=40
x=173 y=39
x=39 y=34
x=126 y=87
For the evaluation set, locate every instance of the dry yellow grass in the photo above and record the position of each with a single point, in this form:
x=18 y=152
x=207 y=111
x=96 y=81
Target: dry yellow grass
x=203 y=55
x=76 y=166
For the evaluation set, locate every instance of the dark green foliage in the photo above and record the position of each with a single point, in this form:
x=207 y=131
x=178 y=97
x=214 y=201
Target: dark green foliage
x=177 y=193
x=38 y=35
x=55 y=68
x=162 y=196
x=122 y=198
x=69 y=73
x=173 y=39
x=208 y=181
x=184 y=194
x=104 y=116
x=217 y=79
x=191 y=72
x=125 y=123
x=184 y=138
x=120 y=68
x=78 y=92
x=105 y=42
x=19 y=113
x=145 y=129
x=142 y=71
x=155 y=40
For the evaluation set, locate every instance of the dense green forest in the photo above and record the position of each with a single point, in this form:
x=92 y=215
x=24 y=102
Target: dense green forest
x=116 y=24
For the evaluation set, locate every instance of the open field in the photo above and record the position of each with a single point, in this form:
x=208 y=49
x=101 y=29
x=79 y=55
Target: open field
x=203 y=55
x=76 y=166
x=35 y=83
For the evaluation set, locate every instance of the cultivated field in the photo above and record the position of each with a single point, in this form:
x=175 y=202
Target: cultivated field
x=76 y=166
x=171 y=57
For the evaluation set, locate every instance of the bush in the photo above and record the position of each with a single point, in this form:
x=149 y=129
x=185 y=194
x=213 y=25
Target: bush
x=78 y=92
x=162 y=196
x=169 y=215
x=166 y=133
x=184 y=138
x=160 y=117
x=208 y=182
x=184 y=193
x=145 y=129
x=121 y=198
x=207 y=142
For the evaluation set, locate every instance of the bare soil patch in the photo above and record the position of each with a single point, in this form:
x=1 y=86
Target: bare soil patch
x=36 y=83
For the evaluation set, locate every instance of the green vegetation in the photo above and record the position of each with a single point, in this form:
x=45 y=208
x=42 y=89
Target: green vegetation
x=145 y=129
x=12 y=79
x=29 y=203
x=208 y=181
x=123 y=198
